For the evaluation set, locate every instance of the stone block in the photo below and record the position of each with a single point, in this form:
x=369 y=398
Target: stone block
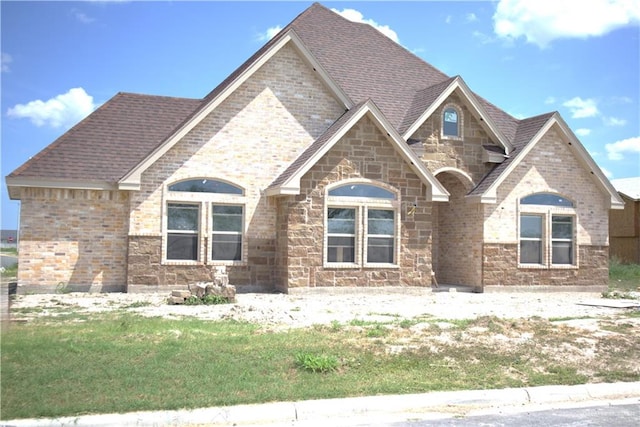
x=181 y=294
x=176 y=300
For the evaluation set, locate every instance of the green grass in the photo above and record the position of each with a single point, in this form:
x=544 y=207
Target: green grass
x=10 y=251
x=623 y=277
x=121 y=362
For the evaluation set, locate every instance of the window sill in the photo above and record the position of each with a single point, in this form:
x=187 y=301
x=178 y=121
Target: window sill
x=341 y=265
x=381 y=265
x=548 y=267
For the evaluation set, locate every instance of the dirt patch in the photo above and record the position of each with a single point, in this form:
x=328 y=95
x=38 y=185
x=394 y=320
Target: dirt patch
x=306 y=310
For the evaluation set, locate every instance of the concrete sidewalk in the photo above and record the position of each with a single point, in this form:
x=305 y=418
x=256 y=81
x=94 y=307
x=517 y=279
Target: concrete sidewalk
x=348 y=411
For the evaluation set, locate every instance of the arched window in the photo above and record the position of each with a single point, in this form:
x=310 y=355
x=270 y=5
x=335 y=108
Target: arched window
x=361 y=226
x=548 y=199
x=206 y=186
x=547 y=230
x=451 y=122
x=205 y=219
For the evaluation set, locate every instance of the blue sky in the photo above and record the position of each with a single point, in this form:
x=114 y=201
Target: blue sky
x=61 y=60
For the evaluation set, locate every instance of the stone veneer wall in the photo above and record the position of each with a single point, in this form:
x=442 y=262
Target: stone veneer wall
x=549 y=167
x=248 y=140
x=362 y=153
x=465 y=154
x=500 y=260
x=72 y=238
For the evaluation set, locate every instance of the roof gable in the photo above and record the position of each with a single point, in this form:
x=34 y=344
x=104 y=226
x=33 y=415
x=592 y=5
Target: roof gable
x=289 y=181
x=529 y=133
x=429 y=99
x=225 y=89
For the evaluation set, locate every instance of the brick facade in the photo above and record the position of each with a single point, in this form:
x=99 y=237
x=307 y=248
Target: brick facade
x=241 y=144
x=74 y=239
x=549 y=167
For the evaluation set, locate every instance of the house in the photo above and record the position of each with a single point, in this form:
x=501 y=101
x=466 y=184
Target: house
x=333 y=157
x=624 y=225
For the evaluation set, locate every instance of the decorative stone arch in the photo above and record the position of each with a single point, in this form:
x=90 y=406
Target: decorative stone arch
x=464 y=177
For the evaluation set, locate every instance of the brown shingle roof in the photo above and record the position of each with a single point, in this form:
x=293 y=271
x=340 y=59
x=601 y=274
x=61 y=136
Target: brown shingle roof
x=365 y=63
x=361 y=60
x=524 y=131
x=110 y=141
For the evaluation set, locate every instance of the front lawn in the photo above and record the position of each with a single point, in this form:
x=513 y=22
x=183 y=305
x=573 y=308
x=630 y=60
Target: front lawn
x=121 y=362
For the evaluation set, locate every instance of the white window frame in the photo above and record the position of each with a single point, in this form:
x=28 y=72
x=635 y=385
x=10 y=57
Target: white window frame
x=361 y=206
x=547 y=212
x=197 y=233
x=458 y=111
x=206 y=201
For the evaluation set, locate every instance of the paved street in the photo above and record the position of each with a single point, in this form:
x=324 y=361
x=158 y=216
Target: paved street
x=625 y=415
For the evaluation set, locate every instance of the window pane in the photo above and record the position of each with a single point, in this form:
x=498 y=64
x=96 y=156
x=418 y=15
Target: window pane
x=362 y=190
x=531 y=226
x=205 y=186
x=380 y=249
x=182 y=217
x=380 y=222
x=182 y=246
x=450 y=122
x=341 y=249
x=226 y=247
x=530 y=252
x=546 y=199
x=227 y=218
x=562 y=253
x=341 y=221
x=562 y=227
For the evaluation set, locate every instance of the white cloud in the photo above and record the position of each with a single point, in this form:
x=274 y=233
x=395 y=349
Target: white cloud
x=268 y=35
x=483 y=38
x=471 y=17
x=62 y=110
x=583 y=132
x=613 y=121
x=550 y=100
x=606 y=172
x=582 y=108
x=356 y=16
x=6 y=59
x=542 y=21
x=447 y=20
x=81 y=16
x=629 y=145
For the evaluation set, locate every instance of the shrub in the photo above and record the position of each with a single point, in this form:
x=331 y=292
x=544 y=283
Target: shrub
x=207 y=300
x=316 y=362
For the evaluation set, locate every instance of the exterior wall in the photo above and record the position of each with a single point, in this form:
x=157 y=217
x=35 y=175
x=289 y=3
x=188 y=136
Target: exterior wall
x=549 y=167
x=464 y=154
x=248 y=140
x=624 y=231
x=362 y=153
x=457 y=237
x=73 y=238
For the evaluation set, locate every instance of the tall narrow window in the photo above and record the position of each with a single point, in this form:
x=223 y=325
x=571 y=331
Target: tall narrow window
x=226 y=238
x=341 y=224
x=183 y=231
x=450 y=123
x=530 y=239
x=380 y=236
x=561 y=239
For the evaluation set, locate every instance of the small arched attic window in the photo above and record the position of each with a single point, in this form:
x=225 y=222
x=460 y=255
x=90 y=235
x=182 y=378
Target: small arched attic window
x=451 y=122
